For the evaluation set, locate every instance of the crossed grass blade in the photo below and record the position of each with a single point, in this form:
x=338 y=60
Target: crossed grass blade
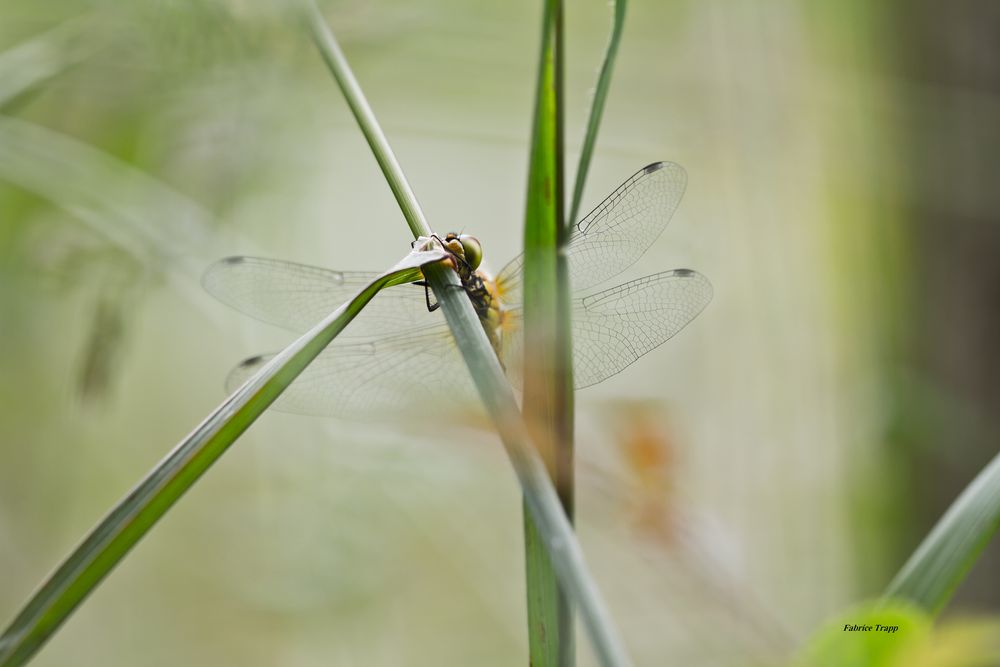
x=541 y=499
x=133 y=517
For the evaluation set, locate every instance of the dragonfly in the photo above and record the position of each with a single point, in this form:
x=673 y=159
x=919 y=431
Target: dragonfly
x=399 y=352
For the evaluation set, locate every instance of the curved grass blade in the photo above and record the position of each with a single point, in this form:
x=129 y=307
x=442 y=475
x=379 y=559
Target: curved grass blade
x=120 y=530
x=554 y=528
x=296 y=296
x=597 y=109
x=937 y=567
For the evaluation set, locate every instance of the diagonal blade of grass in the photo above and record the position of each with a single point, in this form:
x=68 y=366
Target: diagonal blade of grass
x=154 y=224
x=126 y=524
x=554 y=528
x=33 y=62
x=937 y=567
x=540 y=495
x=129 y=208
x=548 y=373
x=597 y=109
x=330 y=50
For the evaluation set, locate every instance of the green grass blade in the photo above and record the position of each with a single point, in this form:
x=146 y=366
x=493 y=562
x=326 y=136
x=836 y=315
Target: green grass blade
x=937 y=567
x=548 y=384
x=597 y=109
x=550 y=612
x=370 y=128
x=831 y=646
x=126 y=524
x=554 y=527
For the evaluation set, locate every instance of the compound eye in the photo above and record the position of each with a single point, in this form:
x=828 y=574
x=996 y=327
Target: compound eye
x=473 y=250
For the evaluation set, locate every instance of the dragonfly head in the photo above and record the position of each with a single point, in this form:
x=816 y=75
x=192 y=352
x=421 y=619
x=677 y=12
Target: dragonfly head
x=467 y=247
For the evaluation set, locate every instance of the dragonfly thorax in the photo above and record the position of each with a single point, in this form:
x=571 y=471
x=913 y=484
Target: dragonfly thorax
x=482 y=291
x=467 y=255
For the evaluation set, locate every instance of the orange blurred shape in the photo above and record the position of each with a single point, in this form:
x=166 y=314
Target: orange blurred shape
x=651 y=459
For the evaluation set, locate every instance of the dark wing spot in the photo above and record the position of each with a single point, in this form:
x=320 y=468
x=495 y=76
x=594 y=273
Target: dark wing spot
x=656 y=166
x=252 y=361
x=233 y=260
x=683 y=273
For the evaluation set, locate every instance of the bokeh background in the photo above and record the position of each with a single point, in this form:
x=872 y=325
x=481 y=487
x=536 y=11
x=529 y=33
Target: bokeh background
x=776 y=461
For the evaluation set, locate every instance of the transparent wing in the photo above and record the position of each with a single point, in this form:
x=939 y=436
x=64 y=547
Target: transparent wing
x=613 y=328
x=614 y=235
x=383 y=378
x=297 y=296
x=389 y=377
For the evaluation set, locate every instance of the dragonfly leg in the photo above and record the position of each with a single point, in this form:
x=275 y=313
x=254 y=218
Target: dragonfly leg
x=431 y=307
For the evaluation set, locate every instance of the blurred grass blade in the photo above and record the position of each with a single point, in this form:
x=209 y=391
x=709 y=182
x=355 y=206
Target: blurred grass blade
x=554 y=528
x=132 y=210
x=154 y=224
x=548 y=373
x=35 y=61
x=162 y=230
x=831 y=646
x=937 y=567
x=117 y=533
x=597 y=109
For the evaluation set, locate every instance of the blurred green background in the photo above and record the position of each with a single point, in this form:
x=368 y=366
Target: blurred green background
x=776 y=461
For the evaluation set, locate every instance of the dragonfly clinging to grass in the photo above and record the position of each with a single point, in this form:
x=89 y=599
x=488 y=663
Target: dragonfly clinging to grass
x=398 y=352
